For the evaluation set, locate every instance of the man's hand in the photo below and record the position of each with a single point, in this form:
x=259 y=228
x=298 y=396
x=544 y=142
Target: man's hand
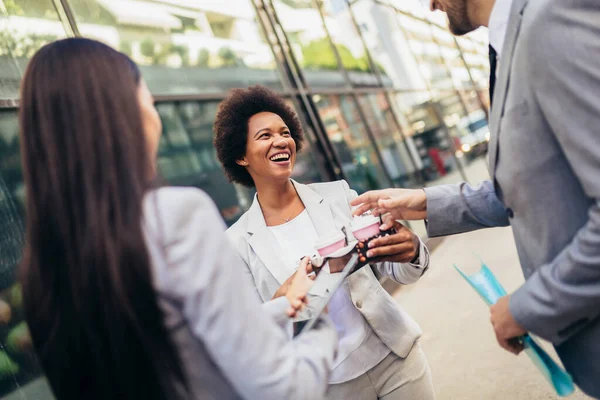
x=506 y=328
x=405 y=204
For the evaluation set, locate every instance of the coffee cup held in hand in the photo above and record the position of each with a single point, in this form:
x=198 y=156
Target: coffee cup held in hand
x=366 y=228
x=331 y=243
x=332 y=248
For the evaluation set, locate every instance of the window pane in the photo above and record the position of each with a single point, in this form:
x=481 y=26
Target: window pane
x=451 y=57
x=349 y=45
x=389 y=46
x=427 y=52
x=351 y=143
x=431 y=123
x=304 y=28
x=183 y=46
x=460 y=74
x=232 y=200
x=426 y=135
x=20 y=373
x=305 y=169
x=418 y=8
x=394 y=152
x=475 y=53
x=25 y=26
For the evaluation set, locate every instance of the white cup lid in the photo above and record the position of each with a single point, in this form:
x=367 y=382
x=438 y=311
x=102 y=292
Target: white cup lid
x=364 y=221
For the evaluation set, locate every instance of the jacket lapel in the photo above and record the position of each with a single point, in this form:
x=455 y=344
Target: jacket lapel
x=318 y=209
x=512 y=33
x=264 y=244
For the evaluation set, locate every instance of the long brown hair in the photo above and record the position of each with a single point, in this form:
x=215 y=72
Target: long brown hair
x=89 y=300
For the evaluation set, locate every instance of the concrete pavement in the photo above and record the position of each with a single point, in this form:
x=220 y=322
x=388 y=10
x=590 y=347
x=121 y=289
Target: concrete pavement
x=466 y=361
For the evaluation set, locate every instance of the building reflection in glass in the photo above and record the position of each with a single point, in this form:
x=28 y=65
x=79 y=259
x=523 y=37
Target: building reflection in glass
x=25 y=26
x=184 y=47
x=311 y=46
x=351 y=143
x=18 y=364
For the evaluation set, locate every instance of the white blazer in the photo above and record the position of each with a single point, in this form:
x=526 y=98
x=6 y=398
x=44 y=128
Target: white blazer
x=328 y=206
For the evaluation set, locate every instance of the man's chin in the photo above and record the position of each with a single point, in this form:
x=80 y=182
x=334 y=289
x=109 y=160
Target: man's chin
x=460 y=29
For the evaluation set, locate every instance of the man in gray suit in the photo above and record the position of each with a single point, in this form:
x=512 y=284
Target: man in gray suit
x=544 y=162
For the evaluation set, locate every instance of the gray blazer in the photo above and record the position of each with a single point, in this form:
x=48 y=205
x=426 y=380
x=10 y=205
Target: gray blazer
x=230 y=349
x=545 y=168
x=327 y=205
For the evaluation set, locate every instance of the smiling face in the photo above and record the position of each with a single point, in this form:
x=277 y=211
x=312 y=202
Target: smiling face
x=270 y=149
x=458 y=15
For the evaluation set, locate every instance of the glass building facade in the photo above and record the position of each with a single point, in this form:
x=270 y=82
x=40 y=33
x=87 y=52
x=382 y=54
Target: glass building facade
x=387 y=97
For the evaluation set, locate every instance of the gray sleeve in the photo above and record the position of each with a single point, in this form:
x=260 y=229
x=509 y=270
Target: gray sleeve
x=462 y=208
x=256 y=356
x=565 y=293
x=403 y=273
x=275 y=308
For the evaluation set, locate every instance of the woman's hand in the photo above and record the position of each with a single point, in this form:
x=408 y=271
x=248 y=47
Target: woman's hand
x=296 y=287
x=403 y=246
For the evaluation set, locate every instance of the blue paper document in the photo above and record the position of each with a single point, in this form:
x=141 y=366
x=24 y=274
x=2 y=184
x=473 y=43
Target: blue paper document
x=490 y=290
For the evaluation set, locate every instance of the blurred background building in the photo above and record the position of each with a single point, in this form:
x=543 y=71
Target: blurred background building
x=386 y=94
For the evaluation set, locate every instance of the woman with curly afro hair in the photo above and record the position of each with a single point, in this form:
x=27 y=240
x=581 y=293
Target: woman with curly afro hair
x=257 y=137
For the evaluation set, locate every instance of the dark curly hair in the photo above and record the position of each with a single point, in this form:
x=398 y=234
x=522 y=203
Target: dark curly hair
x=231 y=126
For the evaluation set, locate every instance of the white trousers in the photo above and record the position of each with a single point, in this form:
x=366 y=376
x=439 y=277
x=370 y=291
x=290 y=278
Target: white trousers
x=394 y=378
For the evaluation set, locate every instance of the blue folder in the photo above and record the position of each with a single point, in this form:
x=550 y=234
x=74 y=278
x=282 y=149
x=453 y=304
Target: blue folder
x=490 y=290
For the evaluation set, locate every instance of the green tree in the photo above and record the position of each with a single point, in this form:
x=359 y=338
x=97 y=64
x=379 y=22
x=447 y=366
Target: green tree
x=12 y=8
x=33 y=43
x=184 y=54
x=22 y=46
x=32 y=8
x=228 y=57
x=161 y=56
x=147 y=48
x=126 y=47
x=8 y=43
x=203 y=58
x=319 y=55
x=350 y=62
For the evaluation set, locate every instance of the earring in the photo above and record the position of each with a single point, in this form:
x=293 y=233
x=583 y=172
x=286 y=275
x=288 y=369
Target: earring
x=244 y=163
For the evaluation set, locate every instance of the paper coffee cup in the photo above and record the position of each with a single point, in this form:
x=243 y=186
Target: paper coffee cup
x=328 y=244
x=365 y=227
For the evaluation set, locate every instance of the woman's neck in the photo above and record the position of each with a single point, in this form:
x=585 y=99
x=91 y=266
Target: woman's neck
x=276 y=195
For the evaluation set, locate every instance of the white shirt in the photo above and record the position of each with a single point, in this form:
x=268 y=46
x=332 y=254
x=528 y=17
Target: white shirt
x=360 y=349
x=498 y=23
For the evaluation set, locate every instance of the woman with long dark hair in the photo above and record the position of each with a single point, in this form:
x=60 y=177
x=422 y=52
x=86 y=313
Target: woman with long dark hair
x=131 y=292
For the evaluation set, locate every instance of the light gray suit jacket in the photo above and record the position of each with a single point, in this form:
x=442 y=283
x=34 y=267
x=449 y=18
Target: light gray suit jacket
x=230 y=349
x=545 y=168
x=328 y=207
